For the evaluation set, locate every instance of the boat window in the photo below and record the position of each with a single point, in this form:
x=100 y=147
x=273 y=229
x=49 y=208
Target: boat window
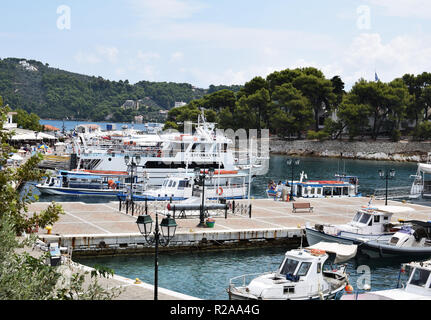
x=170 y=183
x=345 y=191
x=319 y=190
x=174 y=184
x=289 y=266
x=327 y=191
x=420 y=277
x=394 y=240
x=356 y=218
x=365 y=218
x=337 y=191
x=303 y=269
x=183 y=184
x=319 y=267
x=165 y=183
x=376 y=218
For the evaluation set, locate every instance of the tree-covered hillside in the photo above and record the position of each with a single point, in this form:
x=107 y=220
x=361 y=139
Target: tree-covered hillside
x=56 y=94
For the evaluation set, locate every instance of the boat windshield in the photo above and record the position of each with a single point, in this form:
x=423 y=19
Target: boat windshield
x=356 y=217
x=365 y=218
x=303 y=269
x=289 y=266
x=420 y=277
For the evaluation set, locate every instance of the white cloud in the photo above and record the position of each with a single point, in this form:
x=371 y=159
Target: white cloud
x=108 y=53
x=147 y=57
x=100 y=54
x=87 y=58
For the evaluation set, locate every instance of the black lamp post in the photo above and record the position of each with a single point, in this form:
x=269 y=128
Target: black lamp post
x=168 y=227
x=201 y=176
x=132 y=162
x=292 y=163
x=387 y=175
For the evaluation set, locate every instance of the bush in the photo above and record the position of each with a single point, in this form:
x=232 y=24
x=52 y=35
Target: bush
x=319 y=135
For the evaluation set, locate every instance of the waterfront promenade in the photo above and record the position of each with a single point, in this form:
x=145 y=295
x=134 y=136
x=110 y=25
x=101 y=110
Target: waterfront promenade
x=101 y=229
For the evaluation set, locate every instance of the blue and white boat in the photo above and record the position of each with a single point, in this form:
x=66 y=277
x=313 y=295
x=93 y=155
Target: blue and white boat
x=343 y=186
x=369 y=223
x=84 y=183
x=225 y=184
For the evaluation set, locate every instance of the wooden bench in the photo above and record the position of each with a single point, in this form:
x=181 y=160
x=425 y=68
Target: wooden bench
x=302 y=205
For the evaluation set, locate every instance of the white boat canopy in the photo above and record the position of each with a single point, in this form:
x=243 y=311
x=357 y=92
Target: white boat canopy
x=424 y=167
x=392 y=209
x=343 y=252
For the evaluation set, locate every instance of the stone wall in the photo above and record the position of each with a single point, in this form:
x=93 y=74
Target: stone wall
x=367 y=150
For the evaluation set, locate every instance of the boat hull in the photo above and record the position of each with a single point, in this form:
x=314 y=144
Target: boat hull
x=373 y=249
x=72 y=191
x=314 y=236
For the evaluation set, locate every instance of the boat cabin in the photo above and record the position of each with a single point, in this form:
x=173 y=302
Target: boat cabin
x=419 y=281
x=372 y=220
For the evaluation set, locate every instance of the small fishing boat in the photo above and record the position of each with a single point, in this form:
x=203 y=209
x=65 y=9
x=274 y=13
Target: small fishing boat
x=301 y=276
x=84 y=183
x=412 y=240
x=418 y=286
x=369 y=223
x=181 y=186
x=343 y=186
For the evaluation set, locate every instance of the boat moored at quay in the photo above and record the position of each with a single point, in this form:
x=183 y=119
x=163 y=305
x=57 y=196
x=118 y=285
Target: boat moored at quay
x=369 y=223
x=302 y=275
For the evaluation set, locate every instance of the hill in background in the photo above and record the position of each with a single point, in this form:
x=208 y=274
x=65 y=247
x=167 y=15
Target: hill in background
x=57 y=94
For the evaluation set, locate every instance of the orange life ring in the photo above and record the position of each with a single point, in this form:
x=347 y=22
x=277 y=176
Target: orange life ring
x=317 y=252
x=220 y=191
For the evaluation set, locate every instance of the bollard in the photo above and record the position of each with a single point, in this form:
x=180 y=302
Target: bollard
x=249 y=211
x=233 y=207
x=127 y=207
x=119 y=209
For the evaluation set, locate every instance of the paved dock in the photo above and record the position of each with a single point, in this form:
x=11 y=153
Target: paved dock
x=95 y=229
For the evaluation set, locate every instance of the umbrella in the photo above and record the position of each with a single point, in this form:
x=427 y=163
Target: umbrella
x=43 y=146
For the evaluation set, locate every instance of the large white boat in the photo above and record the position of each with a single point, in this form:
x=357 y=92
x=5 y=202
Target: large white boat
x=162 y=155
x=369 y=223
x=418 y=286
x=421 y=186
x=301 y=276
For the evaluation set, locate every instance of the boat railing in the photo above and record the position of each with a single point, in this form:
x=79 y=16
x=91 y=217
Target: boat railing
x=245 y=279
x=393 y=193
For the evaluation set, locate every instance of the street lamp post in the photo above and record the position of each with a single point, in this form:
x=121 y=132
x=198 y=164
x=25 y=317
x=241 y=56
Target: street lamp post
x=132 y=162
x=292 y=163
x=201 y=176
x=387 y=175
x=168 y=227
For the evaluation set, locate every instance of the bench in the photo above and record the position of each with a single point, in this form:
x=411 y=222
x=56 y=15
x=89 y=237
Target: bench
x=302 y=205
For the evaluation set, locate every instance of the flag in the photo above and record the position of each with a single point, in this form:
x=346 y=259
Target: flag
x=376 y=77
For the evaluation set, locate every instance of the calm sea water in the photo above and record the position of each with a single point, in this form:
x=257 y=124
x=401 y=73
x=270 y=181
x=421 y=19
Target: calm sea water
x=206 y=274
x=70 y=125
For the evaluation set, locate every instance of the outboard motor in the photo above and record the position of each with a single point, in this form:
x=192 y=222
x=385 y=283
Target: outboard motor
x=419 y=234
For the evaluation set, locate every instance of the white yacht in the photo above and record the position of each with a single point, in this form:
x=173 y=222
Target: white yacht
x=162 y=155
x=301 y=276
x=369 y=223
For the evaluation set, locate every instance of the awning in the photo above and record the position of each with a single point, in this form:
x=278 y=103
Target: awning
x=343 y=252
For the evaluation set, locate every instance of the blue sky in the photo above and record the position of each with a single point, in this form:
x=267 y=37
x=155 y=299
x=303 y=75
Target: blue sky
x=221 y=42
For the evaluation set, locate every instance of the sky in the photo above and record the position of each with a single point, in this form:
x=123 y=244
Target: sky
x=204 y=42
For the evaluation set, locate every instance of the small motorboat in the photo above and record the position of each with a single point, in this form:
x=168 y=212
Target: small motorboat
x=412 y=240
x=418 y=286
x=301 y=276
x=369 y=223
